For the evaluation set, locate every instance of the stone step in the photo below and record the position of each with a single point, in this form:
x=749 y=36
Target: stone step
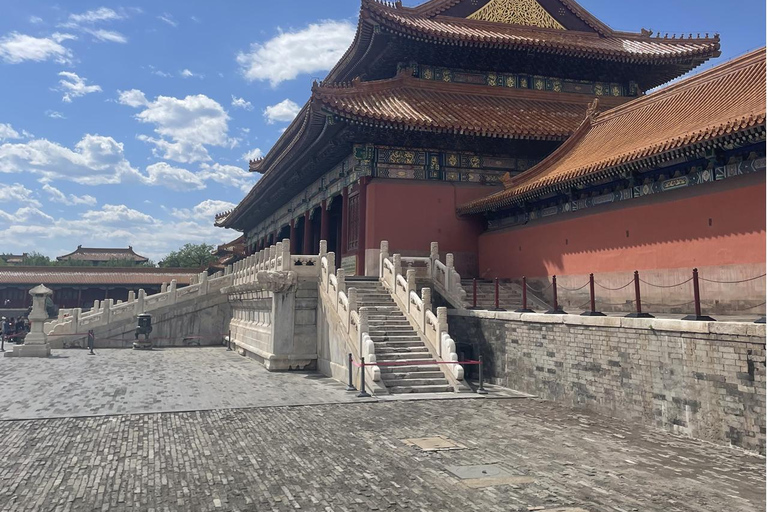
x=400 y=349
x=394 y=339
x=442 y=388
x=388 y=328
x=385 y=344
x=409 y=368
x=398 y=375
x=404 y=357
x=398 y=383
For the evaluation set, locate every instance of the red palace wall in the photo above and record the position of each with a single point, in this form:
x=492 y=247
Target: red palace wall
x=660 y=232
x=411 y=215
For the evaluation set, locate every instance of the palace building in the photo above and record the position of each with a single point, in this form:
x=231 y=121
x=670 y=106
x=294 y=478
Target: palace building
x=441 y=123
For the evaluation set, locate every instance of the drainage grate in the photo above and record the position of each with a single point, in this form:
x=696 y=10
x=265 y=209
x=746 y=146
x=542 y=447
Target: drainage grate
x=434 y=444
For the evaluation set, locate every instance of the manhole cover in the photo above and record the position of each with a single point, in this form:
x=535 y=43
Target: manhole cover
x=487 y=475
x=434 y=444
x=481 y=471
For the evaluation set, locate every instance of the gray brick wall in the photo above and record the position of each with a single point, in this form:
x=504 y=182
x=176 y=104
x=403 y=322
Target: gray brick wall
x=700 y=379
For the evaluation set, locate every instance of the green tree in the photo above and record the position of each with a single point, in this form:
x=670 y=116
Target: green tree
x=189 y=256
x=35 y=259
x=126 y=263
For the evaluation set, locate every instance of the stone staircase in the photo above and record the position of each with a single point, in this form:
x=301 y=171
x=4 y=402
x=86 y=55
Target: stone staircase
x=396 y=340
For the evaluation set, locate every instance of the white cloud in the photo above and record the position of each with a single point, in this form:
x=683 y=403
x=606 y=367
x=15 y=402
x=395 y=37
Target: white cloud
x=184 y=152
x=95 y=160
x=18 y=193
x=55 y=115
x=206 y=210
x=159 y=72
x=110 y=36
x=167 y=18
x=229 y=175
x=241 y=103
x=95 y=16
x=57 y=196
x=253 y=154
x=174 y=178
x=186 y=125
x=132 y=98
x=117 y=215
x=61 y=37
x=284 y=57
x=74 y=86
x=16 y=48
x=35 y=19
x=285 y=111
x=185 y=73
x=7 y=132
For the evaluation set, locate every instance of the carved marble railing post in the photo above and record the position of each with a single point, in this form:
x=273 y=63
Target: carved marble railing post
x=352 y=297
x=131 y=296
x=410 y=277
x=398 y=265
x=286 y=254
x=172 y=292
x=363 y=327
x=383 y=254
x=449 y=272
x=203 y=283
x=323 y=248
x=96 y=306
x=341 y=281
x=434 y=255
x=331 y=257
x=105 y=317
x=442 y=326
x=426 y=298
x=163 y=287
x=139 y=307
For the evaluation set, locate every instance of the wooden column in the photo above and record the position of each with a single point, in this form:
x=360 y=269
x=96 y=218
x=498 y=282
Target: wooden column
x=324 y=221
x=307 y=245
x=294 y=237
x=361 y=227
x=344 y=222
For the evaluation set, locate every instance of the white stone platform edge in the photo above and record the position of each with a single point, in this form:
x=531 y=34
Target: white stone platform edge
x=654 y=324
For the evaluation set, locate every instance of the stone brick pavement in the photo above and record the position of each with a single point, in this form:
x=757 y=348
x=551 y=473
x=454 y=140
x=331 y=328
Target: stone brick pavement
x=123 y=381
x=348 y=457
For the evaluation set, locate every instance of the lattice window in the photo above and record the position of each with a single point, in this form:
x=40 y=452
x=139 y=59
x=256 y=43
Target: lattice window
x=517 y=12
x=354 y=223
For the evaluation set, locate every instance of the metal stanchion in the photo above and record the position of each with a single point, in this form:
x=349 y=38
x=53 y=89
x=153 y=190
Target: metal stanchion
x=638 y=306
x=480 y=389
x=2 y=342
x=229 y=340
x=525 y=308
x=556 y=309
x=350 y=385
x=697 y=301
x=362 y=393
x=496 y=295
x=91 y=342
x=592 y=309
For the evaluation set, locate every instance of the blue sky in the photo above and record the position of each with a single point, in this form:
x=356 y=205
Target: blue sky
x=131 y=123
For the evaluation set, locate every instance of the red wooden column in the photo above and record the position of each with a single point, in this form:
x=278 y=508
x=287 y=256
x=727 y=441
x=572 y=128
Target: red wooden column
x=361 y=227
x=294 y=237
x=344 y=223
x=307 y=245
x=324 y=222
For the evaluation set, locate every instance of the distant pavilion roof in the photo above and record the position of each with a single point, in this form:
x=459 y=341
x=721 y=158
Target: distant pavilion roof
x=723 y=101
x=97 y=276
x=103 y=254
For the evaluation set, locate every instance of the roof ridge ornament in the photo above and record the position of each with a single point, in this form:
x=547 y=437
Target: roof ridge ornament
x=593 y=110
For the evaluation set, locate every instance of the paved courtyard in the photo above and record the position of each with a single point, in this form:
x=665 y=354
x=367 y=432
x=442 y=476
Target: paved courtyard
x=331 y=454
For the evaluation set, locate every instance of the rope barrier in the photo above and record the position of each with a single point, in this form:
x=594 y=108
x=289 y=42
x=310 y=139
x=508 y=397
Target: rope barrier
x=732 y=282
x=667 y=286
x=615 y=303
x=750 y=307
x=574 y=289
x=615 y=289
x=671 y=305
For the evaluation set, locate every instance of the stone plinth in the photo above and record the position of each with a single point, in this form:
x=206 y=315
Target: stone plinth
x=36 y=341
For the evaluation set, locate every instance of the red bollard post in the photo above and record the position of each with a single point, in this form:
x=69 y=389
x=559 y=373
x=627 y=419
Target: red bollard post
x=638 y=306
x=525 y=308
x=474 y=293
x=496 y=296
x=592 y=309
x=363 y=393
x=697 y=301
x=556 y=309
